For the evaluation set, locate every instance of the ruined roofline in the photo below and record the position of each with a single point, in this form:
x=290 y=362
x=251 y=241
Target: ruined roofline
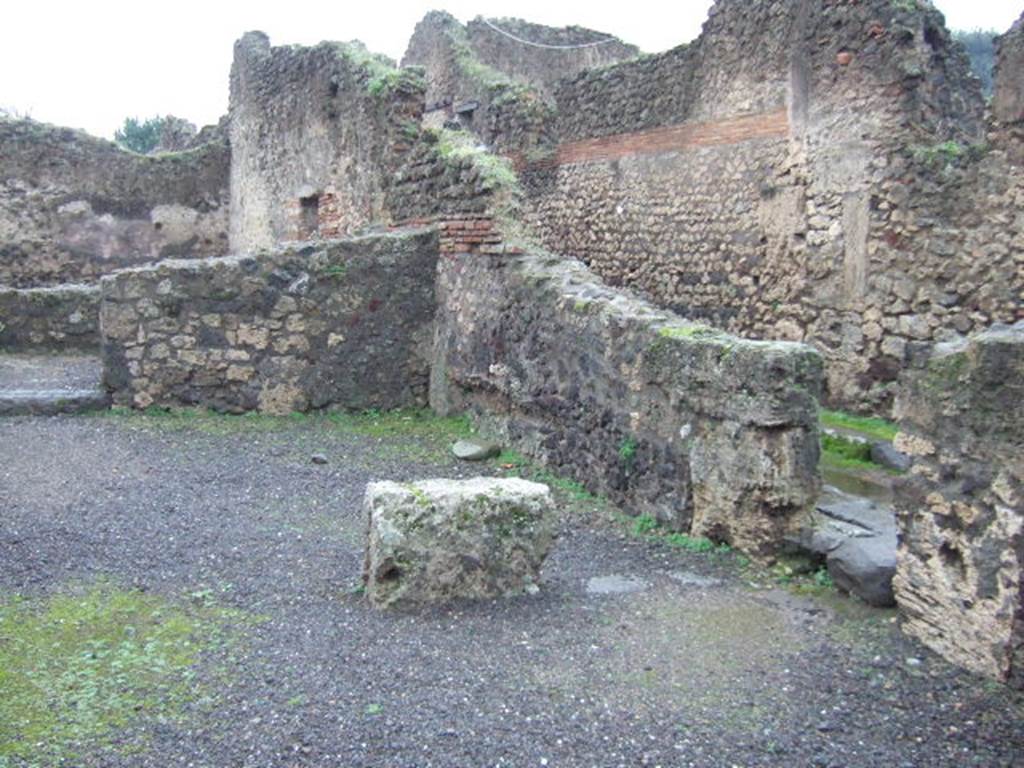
x=65 y=133
x=356 y=51
x=548 y=37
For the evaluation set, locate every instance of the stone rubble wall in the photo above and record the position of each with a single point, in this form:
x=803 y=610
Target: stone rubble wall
x=1008 y=98
x=792 y=193
x=316 y=134
x=960 y=573
x=344 y=323
x=711 y=434
x=327 y=142
x=542 y=68
x=510 y=83
x=74 y=207
x=63 y=318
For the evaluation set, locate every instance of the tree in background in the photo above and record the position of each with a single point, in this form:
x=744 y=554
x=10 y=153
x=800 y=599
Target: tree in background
x=13 y=113
x=981 y=48
x=140 y=136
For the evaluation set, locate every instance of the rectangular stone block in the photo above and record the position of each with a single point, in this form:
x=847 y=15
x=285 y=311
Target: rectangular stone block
x=439 y=540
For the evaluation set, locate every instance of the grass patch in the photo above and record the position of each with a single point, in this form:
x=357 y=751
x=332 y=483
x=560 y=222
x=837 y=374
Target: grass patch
x=410 y=422
x=77 y=668
x=627 y=451
x=412 y=433
x=678 y=331
x=647 y=527
x=843 y=452
x=516 y=464
x=868 y=426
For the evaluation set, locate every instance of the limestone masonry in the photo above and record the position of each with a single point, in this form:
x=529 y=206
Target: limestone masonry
x=645 y=271
x=306 y=326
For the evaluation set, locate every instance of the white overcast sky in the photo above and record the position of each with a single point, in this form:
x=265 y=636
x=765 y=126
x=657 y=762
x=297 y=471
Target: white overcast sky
x=90 y=64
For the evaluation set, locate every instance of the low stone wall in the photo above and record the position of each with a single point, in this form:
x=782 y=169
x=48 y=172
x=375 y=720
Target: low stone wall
x=65 y=318
x=960 y=574
x=708 y=433
x=343 y=323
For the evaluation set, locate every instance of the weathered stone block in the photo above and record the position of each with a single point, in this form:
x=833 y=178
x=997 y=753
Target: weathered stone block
x=439 y=540
x=960 y=572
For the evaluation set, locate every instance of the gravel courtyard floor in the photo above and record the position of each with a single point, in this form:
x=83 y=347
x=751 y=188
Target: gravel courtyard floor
x=682 y=659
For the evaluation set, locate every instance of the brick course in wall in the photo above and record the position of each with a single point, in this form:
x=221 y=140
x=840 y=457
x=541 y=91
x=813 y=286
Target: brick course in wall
x=673 y=138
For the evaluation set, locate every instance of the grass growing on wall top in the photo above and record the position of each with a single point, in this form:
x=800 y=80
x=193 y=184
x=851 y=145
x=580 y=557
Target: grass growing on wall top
x=496 y=171
x=869 y=426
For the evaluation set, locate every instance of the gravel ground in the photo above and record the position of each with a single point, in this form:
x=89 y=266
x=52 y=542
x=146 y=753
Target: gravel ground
x=706 y=665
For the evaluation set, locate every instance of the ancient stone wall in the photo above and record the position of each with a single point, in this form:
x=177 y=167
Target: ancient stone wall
x=344 y=323
x=556 y=52
x=74 y=207
x=767 y=192
x=493 y=85
x=960 y=573
x=1008 y=99
x=1008 y=96
x=708 y=433
x=62 y=318
x=316 y=134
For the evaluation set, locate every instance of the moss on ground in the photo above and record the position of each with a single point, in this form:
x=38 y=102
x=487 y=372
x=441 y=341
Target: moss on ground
x=416 y=434
x=77 y=668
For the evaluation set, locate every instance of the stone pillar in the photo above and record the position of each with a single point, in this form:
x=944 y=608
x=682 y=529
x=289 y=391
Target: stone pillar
x=960 y=574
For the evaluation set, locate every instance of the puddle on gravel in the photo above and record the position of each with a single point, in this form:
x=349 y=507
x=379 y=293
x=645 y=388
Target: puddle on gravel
x=694 y=651
x=615 y=585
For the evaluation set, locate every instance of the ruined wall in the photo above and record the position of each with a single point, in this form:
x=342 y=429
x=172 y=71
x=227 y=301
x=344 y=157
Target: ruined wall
x=327 y=141
x=1008 y=96
x=709 y=433
x=62 y=318
x=74 y=207
x=960 y=573
x=316 y=134
x=1008 y=99
x=542 y=67
x=344 y=323
x=757 y=179
x=497 y=87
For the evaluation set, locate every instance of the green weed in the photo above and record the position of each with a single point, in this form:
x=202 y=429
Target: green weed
x=76 y=668
x=869 y=426
x=627 y=451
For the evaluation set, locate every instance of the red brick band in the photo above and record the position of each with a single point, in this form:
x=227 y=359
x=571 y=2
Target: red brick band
x=672 y=138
